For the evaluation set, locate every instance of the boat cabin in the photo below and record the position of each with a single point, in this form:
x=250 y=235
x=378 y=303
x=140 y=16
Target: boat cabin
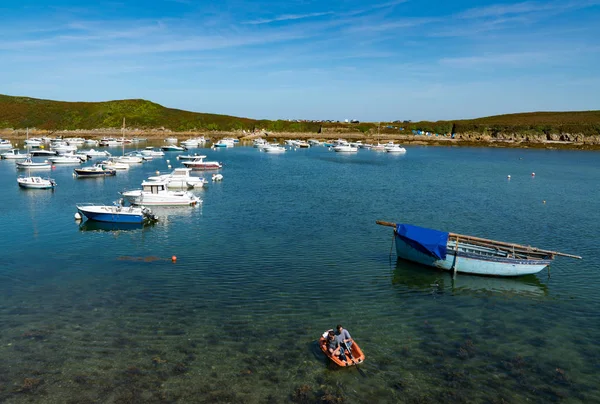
x=154 y=187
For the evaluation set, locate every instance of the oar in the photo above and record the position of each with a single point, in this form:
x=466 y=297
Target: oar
x=353 y=361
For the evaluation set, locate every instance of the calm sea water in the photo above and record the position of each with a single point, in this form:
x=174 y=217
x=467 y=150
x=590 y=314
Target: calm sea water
x=285 y=248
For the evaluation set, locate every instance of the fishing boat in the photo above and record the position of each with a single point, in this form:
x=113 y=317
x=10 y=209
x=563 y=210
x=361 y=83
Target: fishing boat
x=29 y=164
x=468 y=254
x=36 y=182
x=97 y=170
x=199 y=164
x=156 y=193
x=116 y=213
x=180 y=178
x=354 y=357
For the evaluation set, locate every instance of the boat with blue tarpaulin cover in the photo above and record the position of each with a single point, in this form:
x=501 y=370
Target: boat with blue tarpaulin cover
x=468 y=254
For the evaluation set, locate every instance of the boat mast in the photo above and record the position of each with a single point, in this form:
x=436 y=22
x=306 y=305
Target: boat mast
x=123 y=138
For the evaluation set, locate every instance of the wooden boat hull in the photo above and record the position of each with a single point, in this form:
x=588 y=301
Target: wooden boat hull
x=472 y=259
x=357 y=354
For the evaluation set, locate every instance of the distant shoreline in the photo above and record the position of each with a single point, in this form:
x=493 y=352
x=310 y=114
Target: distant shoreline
x=462 y=140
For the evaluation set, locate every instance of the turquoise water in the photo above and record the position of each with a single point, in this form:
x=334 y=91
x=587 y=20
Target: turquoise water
x=285 y=248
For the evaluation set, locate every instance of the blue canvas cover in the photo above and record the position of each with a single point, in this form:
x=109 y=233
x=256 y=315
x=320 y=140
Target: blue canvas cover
x=428 y=241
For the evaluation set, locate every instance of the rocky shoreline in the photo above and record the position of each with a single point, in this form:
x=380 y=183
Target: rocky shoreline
x=509 y=140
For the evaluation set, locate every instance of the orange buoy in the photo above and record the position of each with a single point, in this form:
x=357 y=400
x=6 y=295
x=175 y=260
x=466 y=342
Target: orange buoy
x=174 y=258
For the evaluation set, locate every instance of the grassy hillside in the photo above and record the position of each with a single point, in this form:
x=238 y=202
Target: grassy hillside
x=22 y=112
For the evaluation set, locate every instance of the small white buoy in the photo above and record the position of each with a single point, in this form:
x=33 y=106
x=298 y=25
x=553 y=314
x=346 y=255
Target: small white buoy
x=78 y=216
x=157 y=172
x=74 y=175
x=544 y=202
x=508 y=176
x=168 y=161
x=169 y=166
x=533 y=174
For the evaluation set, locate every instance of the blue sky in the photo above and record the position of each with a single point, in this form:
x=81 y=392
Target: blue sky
x=303 y=59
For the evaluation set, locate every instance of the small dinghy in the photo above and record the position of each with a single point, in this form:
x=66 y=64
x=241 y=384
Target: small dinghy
x=354 y=357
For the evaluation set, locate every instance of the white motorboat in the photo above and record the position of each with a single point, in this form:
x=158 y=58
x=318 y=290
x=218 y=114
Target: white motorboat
x=91 y=143
x=29 y=164
x=5 y=144
x=172 y=147
x=33 y=142
x=273 y=148
x=63 y=148
x=171 y=140
x=129 y=159
x=112 y=163
x=110 y=142
x=189 y=156
x=149 y=151
x=43 y=153
x=315 y=142
x=180 y=178
x=13 y=154
x=95 y=153
x=225 y=142
x=156 y=193
x=378 y=147
x=194 y=142
x=259 y=142
x=36 y=182
x=345 y=149
x=199 y=164
x=394 y=148
x=65 y=159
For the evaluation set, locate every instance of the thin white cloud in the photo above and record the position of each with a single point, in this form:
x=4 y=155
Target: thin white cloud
x=528 y=7
x=523 y=59
x=287 y=17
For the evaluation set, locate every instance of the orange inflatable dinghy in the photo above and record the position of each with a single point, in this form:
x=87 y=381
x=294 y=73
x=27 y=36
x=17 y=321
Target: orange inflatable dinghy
x=357 y=353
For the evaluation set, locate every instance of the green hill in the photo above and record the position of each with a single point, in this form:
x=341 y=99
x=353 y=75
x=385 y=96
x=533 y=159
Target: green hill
x=22 y=112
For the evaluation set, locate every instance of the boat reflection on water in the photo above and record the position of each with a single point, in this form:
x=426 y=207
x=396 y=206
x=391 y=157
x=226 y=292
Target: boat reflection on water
x=92 y=225
x=423 y=278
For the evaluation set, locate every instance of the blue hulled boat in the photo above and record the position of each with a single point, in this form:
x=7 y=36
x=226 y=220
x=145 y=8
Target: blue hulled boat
x=468 y=254
x=116 y=213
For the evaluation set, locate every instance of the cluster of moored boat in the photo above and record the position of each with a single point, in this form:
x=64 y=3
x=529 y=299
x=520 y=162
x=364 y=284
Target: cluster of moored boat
x=339 y=145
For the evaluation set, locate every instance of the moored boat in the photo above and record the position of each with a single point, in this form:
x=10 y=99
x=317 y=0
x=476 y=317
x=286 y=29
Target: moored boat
x=354 y=357
x=36 y=182
x=199 y=164
x=116 y=213
x=155 y=193
x=97 y=170
x=468 y=254
x=180 y=178
x=29 y=164
x=14 y=154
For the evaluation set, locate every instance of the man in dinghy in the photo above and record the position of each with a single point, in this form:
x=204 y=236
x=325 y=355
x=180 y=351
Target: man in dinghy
x=343 y=337
x=334 y=347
